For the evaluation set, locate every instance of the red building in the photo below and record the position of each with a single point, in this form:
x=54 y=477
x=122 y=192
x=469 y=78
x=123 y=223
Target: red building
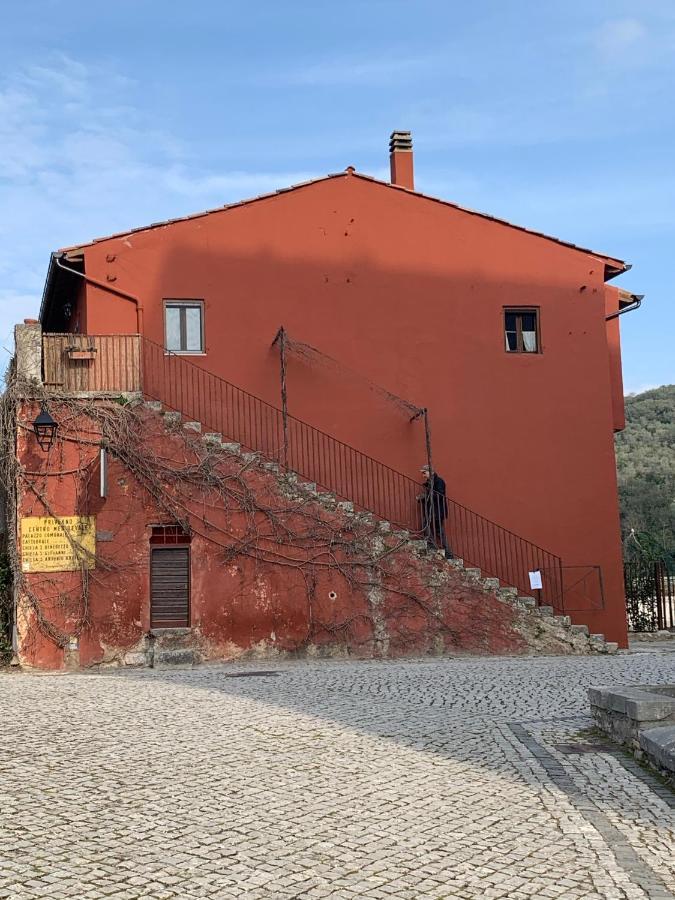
x=390 y=302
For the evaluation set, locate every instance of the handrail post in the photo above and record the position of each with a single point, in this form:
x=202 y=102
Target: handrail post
x=431 y=522
x=427 y=441
x=281 y=337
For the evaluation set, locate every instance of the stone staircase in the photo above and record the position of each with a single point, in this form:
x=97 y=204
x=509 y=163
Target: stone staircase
x=171 y=647
x=174 y=647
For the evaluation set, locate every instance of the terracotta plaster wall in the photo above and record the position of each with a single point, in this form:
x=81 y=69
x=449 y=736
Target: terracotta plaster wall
x=238 y=603
x=409 y=294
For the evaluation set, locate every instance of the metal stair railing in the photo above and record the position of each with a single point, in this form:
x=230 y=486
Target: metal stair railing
x=241 y=417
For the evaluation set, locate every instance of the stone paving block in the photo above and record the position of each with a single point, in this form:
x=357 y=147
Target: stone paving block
x=373 y=779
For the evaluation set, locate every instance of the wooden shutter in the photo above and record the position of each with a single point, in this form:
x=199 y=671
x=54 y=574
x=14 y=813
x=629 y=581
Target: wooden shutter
x=170 y=587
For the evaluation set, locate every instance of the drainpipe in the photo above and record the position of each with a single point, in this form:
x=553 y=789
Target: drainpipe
x=637 y=300
x=107 y=287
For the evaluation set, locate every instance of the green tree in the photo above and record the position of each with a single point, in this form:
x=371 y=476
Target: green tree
x=645 y=453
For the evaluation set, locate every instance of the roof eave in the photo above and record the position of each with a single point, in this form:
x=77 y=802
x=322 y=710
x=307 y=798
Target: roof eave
x=615 y=267
x=57 y=280
x=49 y=284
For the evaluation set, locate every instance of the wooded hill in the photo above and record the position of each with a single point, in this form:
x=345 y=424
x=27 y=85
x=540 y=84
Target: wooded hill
x=645 y=454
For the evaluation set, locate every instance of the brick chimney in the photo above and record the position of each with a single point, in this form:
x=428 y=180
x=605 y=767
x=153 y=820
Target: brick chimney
x=401 y=159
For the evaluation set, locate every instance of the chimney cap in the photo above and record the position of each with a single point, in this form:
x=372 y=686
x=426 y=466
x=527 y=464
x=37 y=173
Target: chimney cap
x=400 y=140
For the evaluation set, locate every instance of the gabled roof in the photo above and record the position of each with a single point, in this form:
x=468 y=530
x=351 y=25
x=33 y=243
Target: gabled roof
x=613 y=266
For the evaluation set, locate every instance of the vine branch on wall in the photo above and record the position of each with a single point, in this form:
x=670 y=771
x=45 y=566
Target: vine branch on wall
x=210 y=495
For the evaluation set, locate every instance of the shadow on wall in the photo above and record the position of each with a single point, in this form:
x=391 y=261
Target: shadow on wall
x=505 y=431
x=523 y=439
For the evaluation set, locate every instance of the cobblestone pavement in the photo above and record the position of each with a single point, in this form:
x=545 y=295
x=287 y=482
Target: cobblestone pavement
x=411 y=779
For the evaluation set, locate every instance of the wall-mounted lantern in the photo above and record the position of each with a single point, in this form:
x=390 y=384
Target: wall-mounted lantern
x=45 y=428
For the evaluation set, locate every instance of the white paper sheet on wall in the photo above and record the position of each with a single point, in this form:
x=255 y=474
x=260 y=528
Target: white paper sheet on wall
x=535 y=580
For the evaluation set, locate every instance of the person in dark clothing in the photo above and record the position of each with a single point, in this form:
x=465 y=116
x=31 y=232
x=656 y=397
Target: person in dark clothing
x=434 y=505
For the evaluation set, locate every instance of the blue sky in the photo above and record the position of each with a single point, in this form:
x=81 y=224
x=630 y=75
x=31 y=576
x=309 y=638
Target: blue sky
x=556 y=115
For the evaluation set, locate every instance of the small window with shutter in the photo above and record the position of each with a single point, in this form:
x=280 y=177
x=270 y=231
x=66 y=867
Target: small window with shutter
x=521 y=330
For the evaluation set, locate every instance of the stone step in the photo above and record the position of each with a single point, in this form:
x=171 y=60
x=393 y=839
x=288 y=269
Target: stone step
x=171 y=417
x=565 y=621
x=212 y=437
x=598 y=638
x=509 y=593
x=545 y=610
x=611 y=647
x=154 y=405
x=528 y=602
x=418 y=546
x=366 y=518
x=172 y=647
x=183 y=658
x=492 y=584
x=249 y=456
x=231 y=447
x=473 y=571
x=579 y=629
x=172 y=638
x=192 y=426
x=137 y=658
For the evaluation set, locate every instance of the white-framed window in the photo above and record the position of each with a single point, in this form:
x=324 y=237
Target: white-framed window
x=184 y=326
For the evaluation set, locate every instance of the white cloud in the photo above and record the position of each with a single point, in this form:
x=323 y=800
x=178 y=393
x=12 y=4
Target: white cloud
x=78 y=160
x=65 y=75
x=620 y=36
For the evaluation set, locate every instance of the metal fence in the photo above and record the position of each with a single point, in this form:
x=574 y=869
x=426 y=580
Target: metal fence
x=582 y=589
x=650 y=595
x=110 y=363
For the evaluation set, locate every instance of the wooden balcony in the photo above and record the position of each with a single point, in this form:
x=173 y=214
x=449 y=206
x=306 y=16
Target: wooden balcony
x=92 y=363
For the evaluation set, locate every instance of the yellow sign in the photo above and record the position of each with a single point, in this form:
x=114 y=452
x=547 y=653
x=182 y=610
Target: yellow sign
x=57 y=545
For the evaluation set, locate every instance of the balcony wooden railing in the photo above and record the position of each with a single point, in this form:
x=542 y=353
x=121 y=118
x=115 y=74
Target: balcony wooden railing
x=83 y=363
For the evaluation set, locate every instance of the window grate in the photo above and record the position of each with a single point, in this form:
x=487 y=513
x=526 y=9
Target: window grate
x=168 y=534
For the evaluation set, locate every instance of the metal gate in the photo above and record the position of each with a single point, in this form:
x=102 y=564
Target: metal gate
x=650 y=595
x=170 y=587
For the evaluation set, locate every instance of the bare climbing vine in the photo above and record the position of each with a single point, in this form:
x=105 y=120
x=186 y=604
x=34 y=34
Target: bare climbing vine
x=210 y=494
